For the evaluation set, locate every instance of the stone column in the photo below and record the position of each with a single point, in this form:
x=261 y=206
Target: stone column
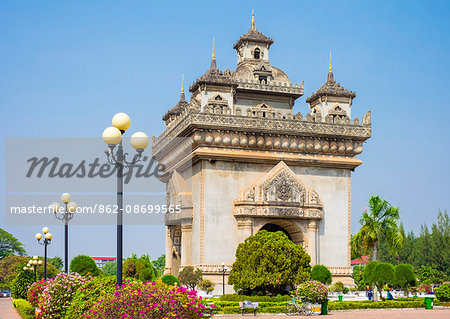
x=169 y=248
x=244 y=226
x=313 y=232
x=186 y=244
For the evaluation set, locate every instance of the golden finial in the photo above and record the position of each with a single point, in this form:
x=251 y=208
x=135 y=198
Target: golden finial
x=214 y=52
x=253 y=18
x=182 y=83
x=331 y=68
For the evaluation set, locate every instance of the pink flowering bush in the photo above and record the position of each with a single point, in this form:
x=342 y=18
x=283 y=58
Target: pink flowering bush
x=57 y=295
x=424 y=288
x=147 y=300
x=312 y=291
x=35 y=292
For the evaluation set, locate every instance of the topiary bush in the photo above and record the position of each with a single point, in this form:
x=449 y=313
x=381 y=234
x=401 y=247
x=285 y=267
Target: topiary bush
x=57 y=295
x=206 y=285
x=20 y=284
x=35 y=292
x=268 y=263
x=84 y=265
x=25 y=309
x=139 y=268
x=337 y=287
x=170 y=280
x=443 y=292
x=147 y=300
x=88 y=294
x=321 y=274
x=312 y=291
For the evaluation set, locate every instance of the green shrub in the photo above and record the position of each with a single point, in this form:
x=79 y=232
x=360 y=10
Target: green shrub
x=206 y=285
x=346 y=305
x=139 y=268
x=337 y=287
x=25 y=309
x=443 y=292
x=261 y=264
x=345 y=290
x=190 y=277
x=321 y=274
x=88 y=294
x=84 y=265
x=110 y=268
x=20 y=284
x=170 y=280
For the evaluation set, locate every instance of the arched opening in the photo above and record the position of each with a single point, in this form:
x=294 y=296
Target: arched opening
x=274 y=228
x=257 y=53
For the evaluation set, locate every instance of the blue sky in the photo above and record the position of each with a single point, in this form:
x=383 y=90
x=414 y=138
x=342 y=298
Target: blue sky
x=67 y=66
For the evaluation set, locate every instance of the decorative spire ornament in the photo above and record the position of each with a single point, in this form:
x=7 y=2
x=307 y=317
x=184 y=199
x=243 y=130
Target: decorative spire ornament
x=331 y=67
x=213 y=61
x=253 y=19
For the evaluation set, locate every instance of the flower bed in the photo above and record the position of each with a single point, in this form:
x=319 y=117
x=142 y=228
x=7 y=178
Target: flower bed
x=25 y=309
x=147 y=300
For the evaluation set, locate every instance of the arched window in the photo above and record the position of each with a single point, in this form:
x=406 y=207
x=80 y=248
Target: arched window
x=257 y=53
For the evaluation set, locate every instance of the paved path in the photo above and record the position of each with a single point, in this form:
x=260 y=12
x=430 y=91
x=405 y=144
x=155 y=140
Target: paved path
x=7 y=311
x=365 y=314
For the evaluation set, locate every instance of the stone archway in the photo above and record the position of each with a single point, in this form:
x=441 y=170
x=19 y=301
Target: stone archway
x=291 y=229
x=270 y=227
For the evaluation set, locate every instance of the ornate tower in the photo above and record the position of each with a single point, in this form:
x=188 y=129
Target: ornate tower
x=240 y=160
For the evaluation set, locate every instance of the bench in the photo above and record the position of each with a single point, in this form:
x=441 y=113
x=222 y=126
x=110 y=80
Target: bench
x=248 y=306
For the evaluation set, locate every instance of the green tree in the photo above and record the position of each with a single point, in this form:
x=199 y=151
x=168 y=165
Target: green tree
x=427 y=274
x=206 y=285
x=404 y=276
x=268 y=262
x=84 y=265
x=381 y=221
x=19 y=285
x=110 y=268
x=10 y=245
x=357 y=276
x=322 y=274
x=160 y=265
x=139 y=268
x=379 y=274
x=56 y=261
x=189 y=277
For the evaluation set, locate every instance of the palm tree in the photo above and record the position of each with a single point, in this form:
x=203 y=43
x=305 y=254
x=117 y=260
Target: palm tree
x=381 y=221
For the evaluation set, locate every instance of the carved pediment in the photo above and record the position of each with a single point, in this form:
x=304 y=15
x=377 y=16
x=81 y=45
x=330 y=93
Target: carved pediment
x=279 y=193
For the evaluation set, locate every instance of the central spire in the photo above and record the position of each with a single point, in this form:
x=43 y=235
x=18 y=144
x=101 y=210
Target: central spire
x=213 y=61
x=331 y=67
x=253 y=20
x=330 y=73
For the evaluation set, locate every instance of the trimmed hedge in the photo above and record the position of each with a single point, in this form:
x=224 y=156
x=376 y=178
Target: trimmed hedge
x=346 y=305
x=234 y=297
x=230 y=307
x=25 y=309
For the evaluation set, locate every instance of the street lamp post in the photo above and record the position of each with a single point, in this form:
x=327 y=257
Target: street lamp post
x=66 y=215
x=112 y=136
x=45 y=242
x=223 y=269
x=32 y=265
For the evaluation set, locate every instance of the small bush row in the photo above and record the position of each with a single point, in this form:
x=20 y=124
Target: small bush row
x=347 y=305
x=239 y=298
x=25 y=309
